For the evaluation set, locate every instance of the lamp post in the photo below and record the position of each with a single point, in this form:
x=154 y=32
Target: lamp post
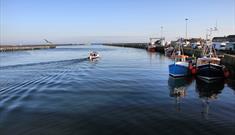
x=186 y=31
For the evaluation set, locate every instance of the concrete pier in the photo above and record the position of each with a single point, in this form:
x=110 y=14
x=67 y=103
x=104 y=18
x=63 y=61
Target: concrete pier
x=5 y=48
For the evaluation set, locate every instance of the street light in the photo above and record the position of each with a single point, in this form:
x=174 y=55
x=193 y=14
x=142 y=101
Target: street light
x=186 y=31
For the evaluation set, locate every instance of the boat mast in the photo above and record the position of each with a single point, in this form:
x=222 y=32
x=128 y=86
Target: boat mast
x=212 y=52
x=181 y=47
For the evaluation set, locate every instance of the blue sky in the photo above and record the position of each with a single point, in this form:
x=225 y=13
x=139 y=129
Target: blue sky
x=75 y=21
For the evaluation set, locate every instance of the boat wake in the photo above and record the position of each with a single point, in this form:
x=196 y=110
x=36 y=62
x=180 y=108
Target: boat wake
x=50 y=74
x=71 y=61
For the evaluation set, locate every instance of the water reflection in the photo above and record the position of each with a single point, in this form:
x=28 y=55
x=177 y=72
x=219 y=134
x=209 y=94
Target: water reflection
x=152 y=55
x=208 y=92
x=231 y=84
x=178 y=89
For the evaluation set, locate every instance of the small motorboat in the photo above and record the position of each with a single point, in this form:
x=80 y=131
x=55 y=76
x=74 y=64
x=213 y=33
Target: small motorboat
x=93 y=55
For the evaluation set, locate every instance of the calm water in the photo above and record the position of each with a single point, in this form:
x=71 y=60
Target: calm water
x=126 y=91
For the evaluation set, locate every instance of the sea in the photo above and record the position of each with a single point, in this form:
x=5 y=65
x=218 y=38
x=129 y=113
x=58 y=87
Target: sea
x=126 y=91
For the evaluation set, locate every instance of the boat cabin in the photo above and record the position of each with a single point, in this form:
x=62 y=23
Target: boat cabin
x=180 y=58
x=206 y=60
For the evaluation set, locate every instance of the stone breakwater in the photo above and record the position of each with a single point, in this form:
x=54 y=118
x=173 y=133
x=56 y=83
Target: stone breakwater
x=6 y=48
x=131 y=45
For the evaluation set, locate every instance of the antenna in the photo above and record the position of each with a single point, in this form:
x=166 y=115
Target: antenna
x=209 y=41
x=210 y=30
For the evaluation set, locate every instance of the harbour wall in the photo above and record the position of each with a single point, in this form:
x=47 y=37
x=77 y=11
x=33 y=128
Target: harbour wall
x=6 y=48
x=131 y=45
x=161 y=49
x=229 y=61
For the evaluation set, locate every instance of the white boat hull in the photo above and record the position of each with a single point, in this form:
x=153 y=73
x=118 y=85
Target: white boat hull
x=94 y=57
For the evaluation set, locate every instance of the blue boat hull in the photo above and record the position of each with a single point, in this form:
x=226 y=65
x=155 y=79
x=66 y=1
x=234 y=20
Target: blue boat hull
x=176 y=70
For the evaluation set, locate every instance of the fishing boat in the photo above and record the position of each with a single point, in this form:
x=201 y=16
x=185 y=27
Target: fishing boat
x=168 y=51
x=209 y=68
x=93 y=55
x=151 y=46
x=154 y=42
x=180 y=66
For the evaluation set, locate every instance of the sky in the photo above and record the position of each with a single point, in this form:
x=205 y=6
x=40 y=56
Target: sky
x=85 y=21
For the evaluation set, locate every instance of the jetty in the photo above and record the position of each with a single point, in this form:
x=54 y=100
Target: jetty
x=7 y=48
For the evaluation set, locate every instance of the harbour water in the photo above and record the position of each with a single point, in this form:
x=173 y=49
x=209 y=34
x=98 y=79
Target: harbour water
x=127 y=91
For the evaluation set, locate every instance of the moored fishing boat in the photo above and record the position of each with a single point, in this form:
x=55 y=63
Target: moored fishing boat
x=168 y=51
x=154 y=42
x=209 y=68
x=151 y=47
x=180 y=66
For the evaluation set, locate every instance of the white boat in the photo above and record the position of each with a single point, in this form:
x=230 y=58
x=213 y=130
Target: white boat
x=93 y=55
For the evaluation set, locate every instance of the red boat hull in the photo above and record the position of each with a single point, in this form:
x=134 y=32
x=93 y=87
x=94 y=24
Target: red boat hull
x=151 y=49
